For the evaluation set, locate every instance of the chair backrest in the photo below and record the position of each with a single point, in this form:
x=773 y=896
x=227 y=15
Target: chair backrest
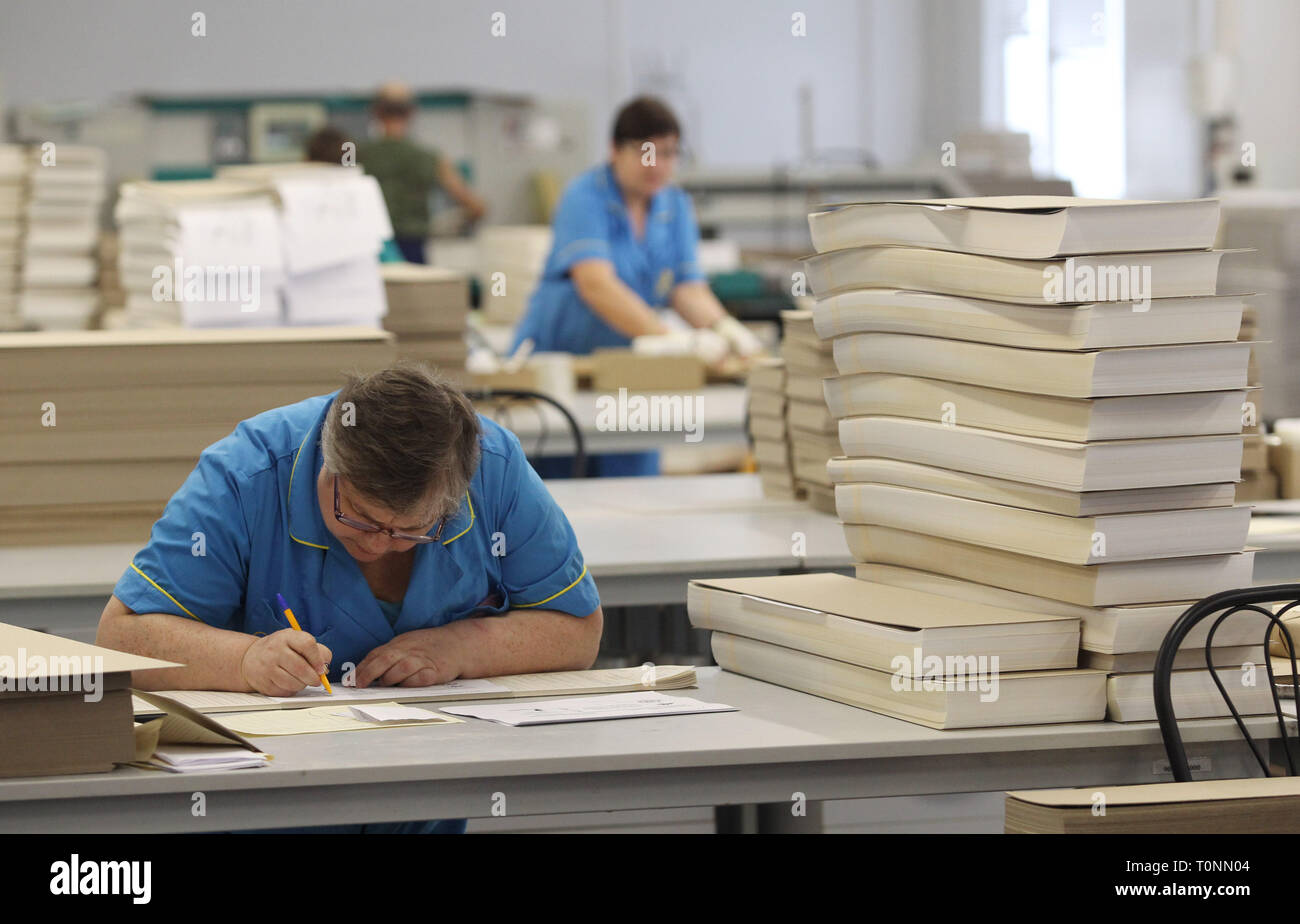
x=1257 y=600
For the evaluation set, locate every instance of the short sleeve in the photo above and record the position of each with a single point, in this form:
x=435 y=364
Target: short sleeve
x=542 y=566
x=581 y=229
x=196 y=562
x=686 y=235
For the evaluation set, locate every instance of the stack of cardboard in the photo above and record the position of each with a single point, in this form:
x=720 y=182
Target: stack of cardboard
x=428 y=312
x=510 y=262
x=201 y=253
x=769 y=428
x=103 y=426
x=1040 y=403
x=13 y=195
x=66 y=189
x=813 y=432
x=65 y=706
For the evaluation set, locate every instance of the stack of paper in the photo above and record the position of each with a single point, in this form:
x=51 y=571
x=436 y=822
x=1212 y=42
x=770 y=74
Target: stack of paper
x=916 y=656
x=65 y=706
x=112 y=297
x=769 y=428
x=814 y=435
x=13 y=196
x=1040 y=397
x=510 y=262
x=201 y=253
x=181 y=740
x=66 y=189
x=428 y=312
x=103 y=426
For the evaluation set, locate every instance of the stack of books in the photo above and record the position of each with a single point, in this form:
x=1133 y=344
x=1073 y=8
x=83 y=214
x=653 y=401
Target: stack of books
x=769 y=428
x=200 y=253
x=102 y=427
x=65 y=706
x=112 y=297
x=67 y=185
x=814 y=435
x=510 y=262
x=428 y=313
x=904 y=653
x=13 y=195
x=1040 y=403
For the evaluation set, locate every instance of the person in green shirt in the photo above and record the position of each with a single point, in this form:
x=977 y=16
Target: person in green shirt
x=407 y=173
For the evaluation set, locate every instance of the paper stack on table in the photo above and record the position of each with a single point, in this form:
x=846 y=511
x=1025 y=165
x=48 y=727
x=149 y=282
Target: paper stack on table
x=769 y=428
x=200 y=253
x=13 y=196
x=428 y=312
x=1041 y=406
x=814 y=434
x=510 y=263
x=66 y=189
x=102 y=427
x=588 y=709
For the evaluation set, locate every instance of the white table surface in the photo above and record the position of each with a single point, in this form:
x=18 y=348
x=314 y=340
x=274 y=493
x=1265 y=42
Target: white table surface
x=781 y=742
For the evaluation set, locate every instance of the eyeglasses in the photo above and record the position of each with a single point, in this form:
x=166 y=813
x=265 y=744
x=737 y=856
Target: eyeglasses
x=365 y=527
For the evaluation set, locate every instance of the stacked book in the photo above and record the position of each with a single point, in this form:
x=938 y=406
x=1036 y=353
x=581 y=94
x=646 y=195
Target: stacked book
x=13 y=195
x=1040 y=404
x=428 y=313
x=66 y=189
x=102 y=427
x=510 y=262
x=200 y=253
x=769 y=428
x=814 y=435
x=65 y=706
x=912 y=655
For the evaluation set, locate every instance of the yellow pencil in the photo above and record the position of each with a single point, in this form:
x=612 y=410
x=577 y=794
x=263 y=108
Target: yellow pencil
x=288 y=613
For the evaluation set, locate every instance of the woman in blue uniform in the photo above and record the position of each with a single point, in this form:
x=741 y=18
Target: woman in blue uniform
x=625 y=244
x=410 y=537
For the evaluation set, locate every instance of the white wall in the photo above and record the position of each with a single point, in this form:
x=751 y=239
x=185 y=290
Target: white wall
x=1268 y=78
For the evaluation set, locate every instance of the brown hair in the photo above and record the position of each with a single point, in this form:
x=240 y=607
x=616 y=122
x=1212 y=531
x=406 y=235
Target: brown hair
x=642 y=118
x=326 y=145
x=402 y=436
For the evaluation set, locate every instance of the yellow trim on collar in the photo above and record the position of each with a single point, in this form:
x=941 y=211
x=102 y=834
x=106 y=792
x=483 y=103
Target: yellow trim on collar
x=467 y=528
x=521 y=606
x=289 y=499
x=163 y=592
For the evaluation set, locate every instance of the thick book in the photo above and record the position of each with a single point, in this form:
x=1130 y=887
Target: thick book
x=1030 y=227
x=1253 y=806
x=1107 y=584
x=1072 y=374
x=1020 y=698
x=860 y=470
x=1080 y=420
x=1091 y=326
x=1131 y=697
x=1115 y=631
x=1107 y=465
x=1116 y=277
x=1189 y=657
x=879 y=626
x=1087 y=540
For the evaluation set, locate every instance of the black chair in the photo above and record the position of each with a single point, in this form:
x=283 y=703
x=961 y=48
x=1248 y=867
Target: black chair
x=503 y=396
x=1227 y=603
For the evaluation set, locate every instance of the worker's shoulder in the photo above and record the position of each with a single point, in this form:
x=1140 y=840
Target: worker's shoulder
x=496 y=442
x=258 y=444
x=591 y=184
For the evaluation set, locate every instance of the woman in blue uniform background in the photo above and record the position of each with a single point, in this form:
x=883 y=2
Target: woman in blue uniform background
x=410 y=537
x=624 y=244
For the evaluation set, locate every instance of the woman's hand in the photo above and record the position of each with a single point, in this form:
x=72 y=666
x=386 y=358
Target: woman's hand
x=284 y=662
x=413 y=659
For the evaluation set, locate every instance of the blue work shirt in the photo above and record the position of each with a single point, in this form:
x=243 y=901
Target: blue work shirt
x=591 y=222
x=252 y=497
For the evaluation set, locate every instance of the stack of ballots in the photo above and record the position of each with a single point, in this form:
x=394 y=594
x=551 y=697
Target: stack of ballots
x=199 y=253
x=769 y=428
x=1040 y=402
x=102 y=427
x=428 y=312
x=66 y=189
x=813 y=433
x=13 y=195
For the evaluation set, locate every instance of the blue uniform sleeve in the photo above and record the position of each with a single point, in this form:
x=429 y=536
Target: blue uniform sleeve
x=542 y=566
x=196 y=562
x=687 y=237
x=581 y=229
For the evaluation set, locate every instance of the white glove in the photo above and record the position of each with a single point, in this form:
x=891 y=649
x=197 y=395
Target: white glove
x=740 y=340
x=710 y=347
